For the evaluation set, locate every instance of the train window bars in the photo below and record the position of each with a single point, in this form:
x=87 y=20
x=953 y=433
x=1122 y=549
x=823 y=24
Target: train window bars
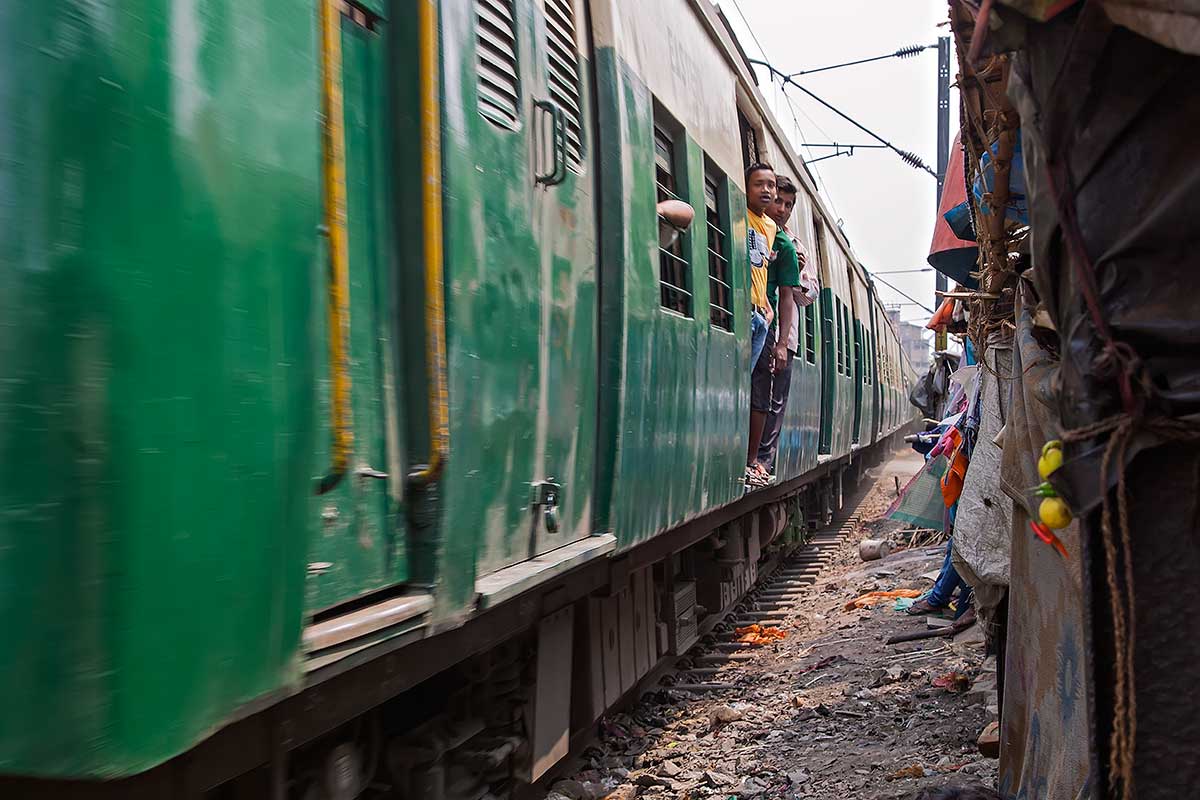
x=870 y=363
x=839 y=334
x=858 y=353
x=499 y=82
x=562 y=60
x=751 y=152
x=674 y=271
x=810 y=333
x=847 y=334
x=720 y=291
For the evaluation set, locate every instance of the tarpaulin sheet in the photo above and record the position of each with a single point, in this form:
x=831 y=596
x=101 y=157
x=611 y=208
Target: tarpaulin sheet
x=983 y=523
x=930 y=391
x=1045 y=743
x=1110 y=118
x=949 y=254
x=1170 y=23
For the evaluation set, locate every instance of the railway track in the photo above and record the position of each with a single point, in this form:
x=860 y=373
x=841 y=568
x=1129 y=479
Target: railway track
x=766 y=604
x=783 y=576
x=827 y=713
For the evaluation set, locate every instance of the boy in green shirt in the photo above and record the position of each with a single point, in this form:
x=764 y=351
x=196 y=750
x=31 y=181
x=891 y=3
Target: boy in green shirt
x=772 y=371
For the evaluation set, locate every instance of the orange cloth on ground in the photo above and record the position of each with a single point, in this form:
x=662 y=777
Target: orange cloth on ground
x=871 y=598
x=757 y=634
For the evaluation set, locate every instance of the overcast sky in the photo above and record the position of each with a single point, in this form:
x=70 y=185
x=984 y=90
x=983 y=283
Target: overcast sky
x=887 y=208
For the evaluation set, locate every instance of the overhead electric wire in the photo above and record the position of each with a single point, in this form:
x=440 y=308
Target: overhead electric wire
x=912 y=159
x=902 y=293
x=791 y=106
x=903 y=52
x=816 y=172
x=840 y=145
x=838 y=150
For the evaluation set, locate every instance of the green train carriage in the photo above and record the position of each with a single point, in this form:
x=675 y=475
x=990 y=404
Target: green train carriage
x=271 y=471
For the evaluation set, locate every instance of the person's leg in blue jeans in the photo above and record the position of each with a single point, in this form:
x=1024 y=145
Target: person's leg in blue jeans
x=758 y=336
x=947 y=583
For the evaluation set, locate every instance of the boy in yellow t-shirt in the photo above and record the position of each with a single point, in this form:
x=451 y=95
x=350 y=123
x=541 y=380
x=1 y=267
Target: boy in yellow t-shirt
x=760 y=233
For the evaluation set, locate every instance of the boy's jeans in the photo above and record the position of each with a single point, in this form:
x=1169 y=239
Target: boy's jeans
x=758 y=336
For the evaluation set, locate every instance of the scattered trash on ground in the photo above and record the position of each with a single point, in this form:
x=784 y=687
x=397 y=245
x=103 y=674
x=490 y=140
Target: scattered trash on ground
x=722 y=716
x=953 y=682
x=827 y=712
x=759 y=635
x=871 y=598
x=914 y=771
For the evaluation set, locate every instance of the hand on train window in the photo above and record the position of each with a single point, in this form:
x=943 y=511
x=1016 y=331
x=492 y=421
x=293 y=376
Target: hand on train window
x=674 y=217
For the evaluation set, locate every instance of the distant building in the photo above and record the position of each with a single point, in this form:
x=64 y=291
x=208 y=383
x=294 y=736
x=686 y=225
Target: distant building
x=917 y=348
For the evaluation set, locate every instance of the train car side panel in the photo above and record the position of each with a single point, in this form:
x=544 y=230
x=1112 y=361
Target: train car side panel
x=157 y=286
x=676 y=391
x=799 y=438
x=521 y=279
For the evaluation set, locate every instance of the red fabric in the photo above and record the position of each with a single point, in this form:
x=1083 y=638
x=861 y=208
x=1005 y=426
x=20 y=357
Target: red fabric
x=943 y=316
x=954 y=191
x=956 y=474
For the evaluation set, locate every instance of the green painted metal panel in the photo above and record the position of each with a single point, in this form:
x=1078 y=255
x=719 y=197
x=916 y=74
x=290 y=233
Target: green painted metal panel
x=357 y=543
x=520 y=329
x=830 y=367
x=674 y=391
x=837 y=397
x=858 y=365
x=800 y=437
x=159 y=226
x=564 y=219
x=492 y=321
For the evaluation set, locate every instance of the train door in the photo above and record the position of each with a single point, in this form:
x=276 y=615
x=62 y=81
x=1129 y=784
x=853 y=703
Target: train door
x=873 y=355
x=357 y=546
x=855 y=332
x=829 y=345
x=520 y=266
x=564 y=221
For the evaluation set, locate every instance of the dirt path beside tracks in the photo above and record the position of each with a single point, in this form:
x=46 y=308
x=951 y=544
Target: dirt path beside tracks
x=831 y=711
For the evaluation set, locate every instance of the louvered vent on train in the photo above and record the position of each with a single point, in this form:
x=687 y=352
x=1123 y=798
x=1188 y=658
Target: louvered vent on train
x=563 y=78
x=496 y=62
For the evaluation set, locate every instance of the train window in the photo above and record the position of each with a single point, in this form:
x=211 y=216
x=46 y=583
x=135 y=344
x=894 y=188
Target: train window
x=837 y=325
x=858 y=359
x=751 y=152
x=848 y=335
x=496 y=62
x=720 y=292
x=674 y=271
x=875 y=360
x=562 y=57
x=870 y=358
x=810 y=333
x=837 y=336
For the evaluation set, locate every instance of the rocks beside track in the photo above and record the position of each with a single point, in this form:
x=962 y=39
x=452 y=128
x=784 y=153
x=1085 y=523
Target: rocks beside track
x=828 y=713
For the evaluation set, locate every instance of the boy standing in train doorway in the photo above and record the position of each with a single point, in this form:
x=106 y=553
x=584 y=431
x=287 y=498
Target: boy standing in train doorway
x=792 y=297
x=760 y=233
x=772 y=369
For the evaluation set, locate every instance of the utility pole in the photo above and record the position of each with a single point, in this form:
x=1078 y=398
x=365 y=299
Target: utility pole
x=943 y=155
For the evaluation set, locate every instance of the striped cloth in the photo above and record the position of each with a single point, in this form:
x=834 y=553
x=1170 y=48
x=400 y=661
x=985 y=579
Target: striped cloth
x=920 y=502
